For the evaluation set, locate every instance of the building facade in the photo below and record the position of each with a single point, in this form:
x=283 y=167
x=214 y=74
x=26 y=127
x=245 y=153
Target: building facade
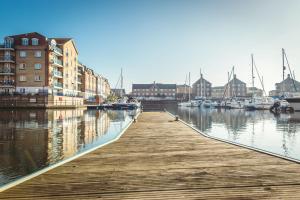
x=33 y=64
x=217 y=92
x=183 y=91
x=289 y=85
x=202 y=88
x=254 y=91
x=102 y=88
x=118 y=92
x=154 y=91
x=90 y=85
x=235 y=88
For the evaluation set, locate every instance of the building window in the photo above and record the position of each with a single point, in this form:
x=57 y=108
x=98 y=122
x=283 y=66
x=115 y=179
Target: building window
x=37 y=54
x=22 y=66
x=25 y=41
x=23 y=54
x=35 y=41
x=37 y=78
x=37 y=66
x=22 y=78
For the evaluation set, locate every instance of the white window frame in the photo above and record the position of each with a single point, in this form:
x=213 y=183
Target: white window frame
x=23 y=54
x=34 y=41
x=25 y=41
x=37 y=78
x=22 y=66
x=22 y=78
x=38 y=54
x=37 y=64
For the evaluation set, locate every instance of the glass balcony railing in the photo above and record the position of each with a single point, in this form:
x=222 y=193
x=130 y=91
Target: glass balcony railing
x=57 y=50
x=58 y=85
x=8 y=58
x=57 y=73
x=7 y=83
x=5 y=70
x=6 y=45
x=57 y=62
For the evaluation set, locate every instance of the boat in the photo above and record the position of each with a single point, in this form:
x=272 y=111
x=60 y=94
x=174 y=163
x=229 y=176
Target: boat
x=123 y=102
x=207 y=103
x=190 y=103
x=258 y=103
x=234 y=104
x=294 y=102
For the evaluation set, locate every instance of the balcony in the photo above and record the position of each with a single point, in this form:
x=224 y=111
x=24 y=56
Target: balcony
x=6 y=46
x=57 y=62
x=57 y=51
x=7 y=83
x=7 y=71
x=79 y=81
x=7 y=58
x=57 y=74
x=58 y=85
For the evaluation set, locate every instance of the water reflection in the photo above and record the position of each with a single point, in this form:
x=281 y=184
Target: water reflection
x=33 y=139
x=260 y=129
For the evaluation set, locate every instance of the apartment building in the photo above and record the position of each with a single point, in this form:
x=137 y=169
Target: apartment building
x=217 y=92
x=183 y=91
x=254 y=91
x=33 y=64
x=90 y=85
x=154 y=91
x=202 y=87
x=7 y=66
x=235 y=88
x=38 y=64
x=288 y=85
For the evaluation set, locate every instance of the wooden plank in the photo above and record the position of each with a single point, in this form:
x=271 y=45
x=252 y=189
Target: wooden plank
x=158 y=158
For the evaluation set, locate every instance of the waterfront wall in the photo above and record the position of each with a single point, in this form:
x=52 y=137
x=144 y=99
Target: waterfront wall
x=37 y=101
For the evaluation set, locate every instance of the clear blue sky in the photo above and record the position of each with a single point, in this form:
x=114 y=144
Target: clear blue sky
x=163 y=40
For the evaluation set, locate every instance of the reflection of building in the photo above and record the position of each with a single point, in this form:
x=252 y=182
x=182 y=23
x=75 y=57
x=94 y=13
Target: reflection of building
x=30 y=140
x=287 y=85
x=235 y=87
x=202 y=87
x=154 y=90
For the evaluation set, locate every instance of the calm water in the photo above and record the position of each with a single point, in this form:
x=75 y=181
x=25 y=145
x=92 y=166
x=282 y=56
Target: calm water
x=32 y=140
x=261 y=129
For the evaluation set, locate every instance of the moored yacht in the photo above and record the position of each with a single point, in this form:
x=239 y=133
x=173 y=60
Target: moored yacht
x=294 y=102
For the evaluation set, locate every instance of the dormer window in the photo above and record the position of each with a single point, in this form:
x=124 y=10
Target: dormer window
x=25 y=41
x=35 y=41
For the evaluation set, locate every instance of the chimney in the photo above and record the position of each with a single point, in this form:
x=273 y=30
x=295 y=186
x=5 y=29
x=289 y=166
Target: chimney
x=288 y=76
x=234 y=76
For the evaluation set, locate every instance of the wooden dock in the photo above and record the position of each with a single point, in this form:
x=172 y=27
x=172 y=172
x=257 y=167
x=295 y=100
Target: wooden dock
x=158 y=158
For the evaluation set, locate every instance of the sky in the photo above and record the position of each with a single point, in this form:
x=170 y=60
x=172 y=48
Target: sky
x=164 y=40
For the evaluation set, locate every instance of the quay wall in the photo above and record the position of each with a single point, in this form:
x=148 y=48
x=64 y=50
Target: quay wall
x=39 y=101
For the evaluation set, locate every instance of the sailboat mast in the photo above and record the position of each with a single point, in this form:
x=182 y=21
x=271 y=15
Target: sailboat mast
x=283 y=67
x=189 y=86
x=252 y=70
x=121 y=92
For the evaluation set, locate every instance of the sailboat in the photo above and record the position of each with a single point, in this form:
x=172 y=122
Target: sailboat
x=123 y=102
x=259 y=103
x=294 y=99
x=190 y=103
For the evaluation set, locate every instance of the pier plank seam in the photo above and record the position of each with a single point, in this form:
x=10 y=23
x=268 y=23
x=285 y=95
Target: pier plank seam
x=158 y=158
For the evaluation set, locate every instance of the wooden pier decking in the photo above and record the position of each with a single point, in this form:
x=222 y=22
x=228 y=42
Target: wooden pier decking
x=158 y=158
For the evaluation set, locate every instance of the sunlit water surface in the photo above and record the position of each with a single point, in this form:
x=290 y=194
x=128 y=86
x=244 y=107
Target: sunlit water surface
x=278 y=134
x=31 y=140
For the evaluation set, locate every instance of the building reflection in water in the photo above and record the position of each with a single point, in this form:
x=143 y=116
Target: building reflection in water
x=33 y=139
x=260 y=129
